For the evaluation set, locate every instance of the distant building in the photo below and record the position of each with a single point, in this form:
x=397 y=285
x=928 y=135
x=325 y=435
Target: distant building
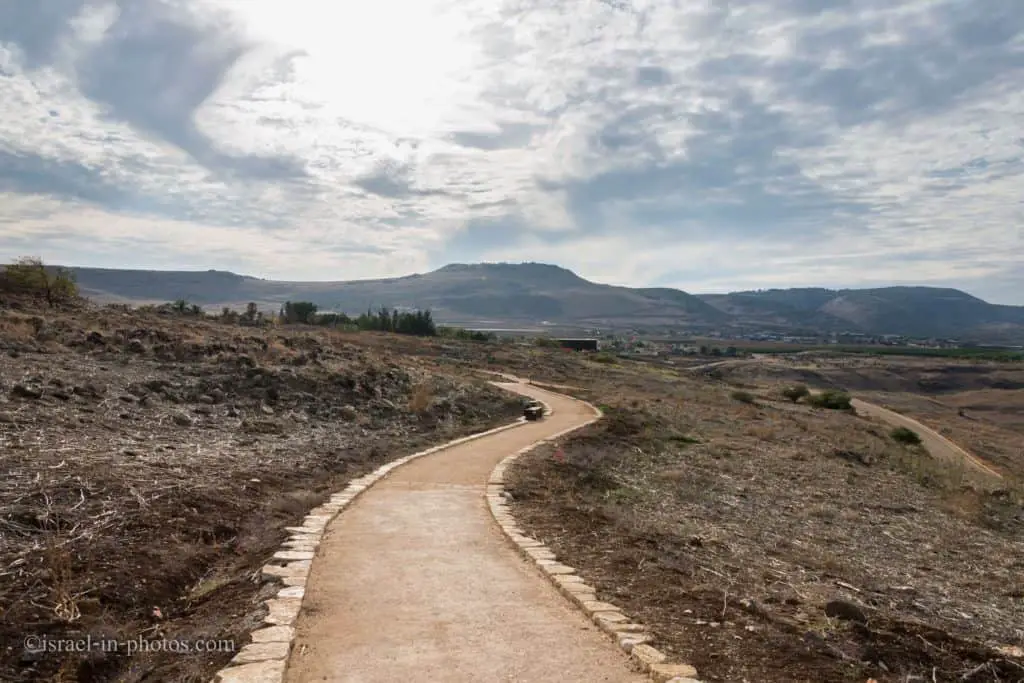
x=578 y=344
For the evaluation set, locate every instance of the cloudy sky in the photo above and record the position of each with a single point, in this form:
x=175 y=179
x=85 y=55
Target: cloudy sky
x=705 y=144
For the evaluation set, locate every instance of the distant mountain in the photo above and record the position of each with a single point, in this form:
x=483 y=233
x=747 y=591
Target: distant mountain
x=911 y=311
x=491 y=294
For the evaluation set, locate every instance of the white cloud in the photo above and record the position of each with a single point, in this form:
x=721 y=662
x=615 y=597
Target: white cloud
x=700 y=144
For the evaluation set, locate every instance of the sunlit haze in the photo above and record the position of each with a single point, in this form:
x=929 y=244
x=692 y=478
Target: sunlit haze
x=710 y=146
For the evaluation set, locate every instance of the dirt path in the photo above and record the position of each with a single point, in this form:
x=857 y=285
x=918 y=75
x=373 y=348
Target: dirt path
x=415 y=582
x=937 y=445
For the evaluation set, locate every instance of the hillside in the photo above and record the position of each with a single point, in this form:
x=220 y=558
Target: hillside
x=913 y=311
x=511 y=293
x=531 y=293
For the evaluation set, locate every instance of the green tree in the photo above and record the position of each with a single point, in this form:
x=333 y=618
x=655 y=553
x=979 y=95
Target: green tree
x=252 y=312
x=29 y=275
x=293 y=312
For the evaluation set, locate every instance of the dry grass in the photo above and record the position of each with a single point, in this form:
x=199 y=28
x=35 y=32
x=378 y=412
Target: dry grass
x=780 y=508
x=163 y=460
x=421 y=399
x=17 y=328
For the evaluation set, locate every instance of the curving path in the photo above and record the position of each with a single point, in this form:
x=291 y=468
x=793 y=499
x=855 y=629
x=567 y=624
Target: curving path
x=415 y=582
x=936 y=444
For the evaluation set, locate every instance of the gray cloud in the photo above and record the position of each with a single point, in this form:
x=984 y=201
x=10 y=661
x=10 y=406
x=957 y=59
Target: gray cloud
x=153 y=69
x=785 y=141
x=32 y=174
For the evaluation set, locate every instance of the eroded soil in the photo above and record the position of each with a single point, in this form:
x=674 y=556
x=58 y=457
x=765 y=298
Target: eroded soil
x=767 y=544
x=150 y=466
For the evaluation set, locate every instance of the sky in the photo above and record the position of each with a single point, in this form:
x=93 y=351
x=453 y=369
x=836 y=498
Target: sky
x=710 y=145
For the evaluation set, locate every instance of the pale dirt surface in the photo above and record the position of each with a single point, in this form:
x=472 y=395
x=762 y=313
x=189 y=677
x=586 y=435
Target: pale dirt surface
x=937 y=445
x=415 y=582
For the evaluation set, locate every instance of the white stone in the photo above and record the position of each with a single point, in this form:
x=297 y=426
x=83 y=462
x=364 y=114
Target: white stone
x=262 y=652
x=262 y=672
x=294 y=555
x=283 y=611
x=273 y=634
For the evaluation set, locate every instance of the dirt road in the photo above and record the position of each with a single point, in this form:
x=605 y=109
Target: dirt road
x=937 y=445
x=415 y=582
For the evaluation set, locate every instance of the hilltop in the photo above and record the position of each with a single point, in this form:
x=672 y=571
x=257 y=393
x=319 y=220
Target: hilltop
x=532 y=293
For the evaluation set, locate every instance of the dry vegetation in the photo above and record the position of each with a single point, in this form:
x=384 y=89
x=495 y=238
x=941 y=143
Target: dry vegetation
x=766 y=541
x=151 y=464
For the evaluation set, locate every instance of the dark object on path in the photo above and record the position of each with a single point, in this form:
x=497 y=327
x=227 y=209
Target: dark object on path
x=534 y=411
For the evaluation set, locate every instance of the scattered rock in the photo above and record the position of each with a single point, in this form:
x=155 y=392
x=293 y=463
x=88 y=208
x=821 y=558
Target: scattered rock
x=61 y=394
x=127 y=398
x=348 y=412
x=182 y=420
x=267 y=410
x=845 y=611
x=203 y=410
x=90 y=389
x=26 y=391
x=7 y=419
x=95 y=337
x=136 y=346
x=207 y=399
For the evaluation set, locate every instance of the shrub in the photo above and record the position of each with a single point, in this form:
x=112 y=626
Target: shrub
x=469 y=335
x=606 y=358
x=905 y=436
x=796 y=392
x=421 y=399
x=832 y=399
x=29 y=275
x=743 y=397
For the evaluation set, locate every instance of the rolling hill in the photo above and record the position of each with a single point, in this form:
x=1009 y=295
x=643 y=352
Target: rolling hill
x=911 y=311
x=531 y=293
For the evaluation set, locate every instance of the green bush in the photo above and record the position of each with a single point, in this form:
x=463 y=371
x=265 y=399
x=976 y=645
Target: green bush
x=833 y=399
x=743 y=397
x=30 y=276
x=606 y=358
x=905 y=436
x=796 y=392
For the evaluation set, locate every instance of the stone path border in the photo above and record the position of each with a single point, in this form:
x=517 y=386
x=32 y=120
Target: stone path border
x=630 y=636
x=265 y=659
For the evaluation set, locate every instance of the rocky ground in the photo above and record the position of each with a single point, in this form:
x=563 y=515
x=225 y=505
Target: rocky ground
x=772 y=542
x=150 y=465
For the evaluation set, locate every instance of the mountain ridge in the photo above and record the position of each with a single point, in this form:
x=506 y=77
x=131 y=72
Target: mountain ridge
x=535 y=292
